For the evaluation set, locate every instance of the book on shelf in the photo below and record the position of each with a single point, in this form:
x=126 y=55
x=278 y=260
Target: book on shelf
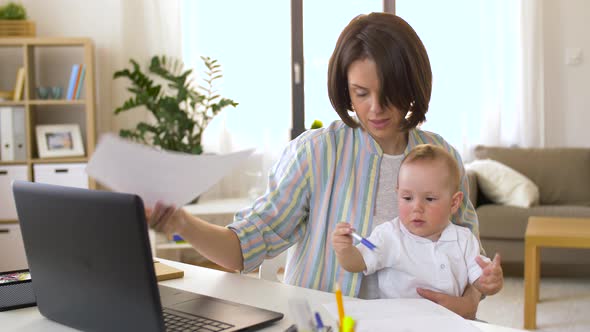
x=72 y=84
x=12 y=134
x=77 y=84
x=19 y=86
x=80 y=82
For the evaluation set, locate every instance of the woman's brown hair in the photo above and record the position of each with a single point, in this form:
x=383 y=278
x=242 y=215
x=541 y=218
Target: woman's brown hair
x=405 y=77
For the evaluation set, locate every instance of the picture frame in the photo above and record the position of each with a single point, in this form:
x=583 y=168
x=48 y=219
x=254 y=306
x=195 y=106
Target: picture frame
x=59 y=140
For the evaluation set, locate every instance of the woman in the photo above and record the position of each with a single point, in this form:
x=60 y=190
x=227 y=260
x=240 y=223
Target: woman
x=346 y=172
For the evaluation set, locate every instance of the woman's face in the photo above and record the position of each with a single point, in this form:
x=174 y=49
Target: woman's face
x=381 y=123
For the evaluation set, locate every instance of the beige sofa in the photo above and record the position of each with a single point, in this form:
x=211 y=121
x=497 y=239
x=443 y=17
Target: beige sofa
x=563 y=178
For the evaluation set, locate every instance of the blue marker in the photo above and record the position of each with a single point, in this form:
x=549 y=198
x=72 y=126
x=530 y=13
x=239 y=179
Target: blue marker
x=318 y=319
x=364 y=241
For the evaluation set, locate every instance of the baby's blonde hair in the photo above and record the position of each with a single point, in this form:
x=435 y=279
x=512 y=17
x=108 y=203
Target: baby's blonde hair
x=429 y=152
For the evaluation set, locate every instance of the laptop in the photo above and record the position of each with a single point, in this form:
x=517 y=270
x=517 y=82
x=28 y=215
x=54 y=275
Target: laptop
x=92 y=268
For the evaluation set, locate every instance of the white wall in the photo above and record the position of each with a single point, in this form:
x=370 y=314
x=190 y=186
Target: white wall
x=121 y=30
x=98 y=20
x=567 y=88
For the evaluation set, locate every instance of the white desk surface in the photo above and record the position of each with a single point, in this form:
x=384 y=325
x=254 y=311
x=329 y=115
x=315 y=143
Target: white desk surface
x=228 y=286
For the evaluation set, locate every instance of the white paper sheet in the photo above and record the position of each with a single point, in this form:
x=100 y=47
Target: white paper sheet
x=407 y=315
x=171 y=177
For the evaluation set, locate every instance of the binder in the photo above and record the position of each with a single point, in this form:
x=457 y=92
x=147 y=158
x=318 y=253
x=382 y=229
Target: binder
x=12 y=134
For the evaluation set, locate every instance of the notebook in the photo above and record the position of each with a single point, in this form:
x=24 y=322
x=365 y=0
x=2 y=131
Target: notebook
x=165 y=272
x=91 y=265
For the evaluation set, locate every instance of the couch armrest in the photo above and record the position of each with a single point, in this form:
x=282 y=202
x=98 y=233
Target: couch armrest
x=472 y=178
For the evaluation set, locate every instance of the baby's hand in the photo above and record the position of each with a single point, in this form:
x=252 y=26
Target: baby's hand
x=492 y=277
x=341 y=239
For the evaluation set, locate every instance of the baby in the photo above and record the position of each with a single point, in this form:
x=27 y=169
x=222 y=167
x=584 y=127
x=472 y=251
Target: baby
x=421 y=248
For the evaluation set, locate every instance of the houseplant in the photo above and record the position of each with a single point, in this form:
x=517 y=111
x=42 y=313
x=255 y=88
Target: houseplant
x=13 y=11
x=13 y=21
x=181 y=108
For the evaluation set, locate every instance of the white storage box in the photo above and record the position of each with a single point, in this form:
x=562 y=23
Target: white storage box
x=7 y=175
x=69 y=175
x=12 y=250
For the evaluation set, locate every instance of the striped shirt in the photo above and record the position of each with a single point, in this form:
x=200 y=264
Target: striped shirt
x=323 y=177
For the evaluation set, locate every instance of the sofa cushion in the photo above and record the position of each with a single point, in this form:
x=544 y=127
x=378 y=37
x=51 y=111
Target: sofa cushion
x=562 y=174
x=508 y=222
x=503 y=185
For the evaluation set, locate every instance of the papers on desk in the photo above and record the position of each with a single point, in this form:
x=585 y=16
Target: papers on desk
x=407 y=315
x=172 y=177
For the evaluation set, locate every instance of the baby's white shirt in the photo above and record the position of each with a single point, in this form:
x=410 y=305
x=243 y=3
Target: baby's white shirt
x=404 y=261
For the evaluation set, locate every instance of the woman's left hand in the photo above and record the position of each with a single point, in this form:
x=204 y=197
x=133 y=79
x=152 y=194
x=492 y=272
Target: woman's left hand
x=464 y=306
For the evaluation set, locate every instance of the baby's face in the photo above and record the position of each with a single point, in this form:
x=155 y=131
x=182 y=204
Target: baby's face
x=425 y=199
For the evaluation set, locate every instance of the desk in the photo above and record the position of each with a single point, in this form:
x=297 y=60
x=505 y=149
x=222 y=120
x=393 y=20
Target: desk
x=228 y=286
x=553 y=232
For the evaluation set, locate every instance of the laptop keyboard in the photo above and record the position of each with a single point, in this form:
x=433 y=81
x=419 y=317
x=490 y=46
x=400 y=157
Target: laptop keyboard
x=176 y=322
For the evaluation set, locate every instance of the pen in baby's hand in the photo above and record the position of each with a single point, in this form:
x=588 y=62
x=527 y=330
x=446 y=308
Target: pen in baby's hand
x=364 y=241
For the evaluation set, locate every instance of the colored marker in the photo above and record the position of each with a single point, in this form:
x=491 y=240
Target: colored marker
x=318 y=320
x=348 y=325
x=338 y=293
x=364 y=241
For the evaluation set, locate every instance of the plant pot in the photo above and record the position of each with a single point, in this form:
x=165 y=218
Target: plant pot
x=17 y=28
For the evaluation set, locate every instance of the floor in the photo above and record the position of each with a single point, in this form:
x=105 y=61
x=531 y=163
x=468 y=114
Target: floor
x=564 y=305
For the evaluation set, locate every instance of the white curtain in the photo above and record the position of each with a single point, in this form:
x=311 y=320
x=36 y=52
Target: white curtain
x=148 y=28
x=487 y=64
x=512 y=80
x=533 y=104
x=254 y=51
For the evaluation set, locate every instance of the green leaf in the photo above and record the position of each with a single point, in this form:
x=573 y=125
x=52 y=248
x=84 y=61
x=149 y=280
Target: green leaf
x=181 y=108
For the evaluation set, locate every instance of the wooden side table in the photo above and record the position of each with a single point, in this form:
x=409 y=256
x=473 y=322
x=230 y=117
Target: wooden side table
x=553 y=232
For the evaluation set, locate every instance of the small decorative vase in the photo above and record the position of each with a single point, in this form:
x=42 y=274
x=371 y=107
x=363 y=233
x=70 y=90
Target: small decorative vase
x=43 y=92
x=56 y=92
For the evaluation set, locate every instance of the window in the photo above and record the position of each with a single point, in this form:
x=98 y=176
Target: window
x=251 y=41
x=320 y=32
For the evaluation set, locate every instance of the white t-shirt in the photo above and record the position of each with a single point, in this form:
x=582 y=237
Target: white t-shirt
x=404 y=261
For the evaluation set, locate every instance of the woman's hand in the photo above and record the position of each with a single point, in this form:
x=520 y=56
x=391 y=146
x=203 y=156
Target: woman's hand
x=341 y=238
x=492 y=277
x=464 y=306
x=218 y=244
x=165 y=218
